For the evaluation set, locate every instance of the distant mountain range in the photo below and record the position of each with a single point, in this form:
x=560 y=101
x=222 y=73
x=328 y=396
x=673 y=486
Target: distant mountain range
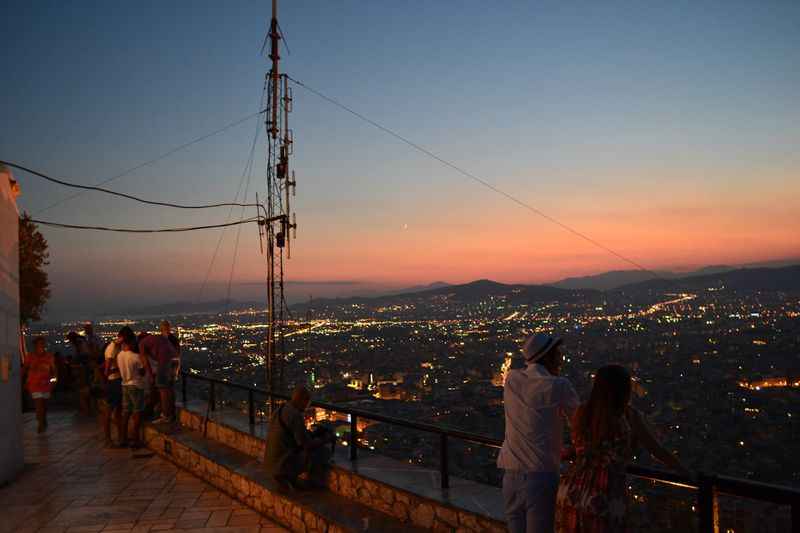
x=608 y=281
x=188 y=308
x=746 y=279
x=785 y=278
x=420 y=288
x=618 y=278
x=221 y=306
x=467 y=293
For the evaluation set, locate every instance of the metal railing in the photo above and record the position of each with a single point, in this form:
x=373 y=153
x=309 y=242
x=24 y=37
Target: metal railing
x=707 y=486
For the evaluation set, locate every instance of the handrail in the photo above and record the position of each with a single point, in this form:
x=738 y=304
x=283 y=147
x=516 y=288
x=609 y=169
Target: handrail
x=707 y=486
x=369 y=415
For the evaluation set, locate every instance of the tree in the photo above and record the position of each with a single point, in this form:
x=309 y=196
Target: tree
x=34 y=286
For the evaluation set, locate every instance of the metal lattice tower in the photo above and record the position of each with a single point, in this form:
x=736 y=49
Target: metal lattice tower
x=280 y=188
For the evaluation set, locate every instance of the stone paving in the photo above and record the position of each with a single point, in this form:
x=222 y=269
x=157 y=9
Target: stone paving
x=72 y=484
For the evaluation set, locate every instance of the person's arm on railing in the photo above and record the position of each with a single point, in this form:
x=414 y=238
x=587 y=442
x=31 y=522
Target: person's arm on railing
x=644 y=435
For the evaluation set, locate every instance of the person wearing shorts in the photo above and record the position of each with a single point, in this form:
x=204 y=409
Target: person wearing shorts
x=132 y=402
x=133 y=368
x=163 y=351
x=40 y=373
x=114 y=385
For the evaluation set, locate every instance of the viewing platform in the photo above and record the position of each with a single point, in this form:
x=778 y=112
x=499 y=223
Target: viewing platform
x=70 y=483
x=205 y=474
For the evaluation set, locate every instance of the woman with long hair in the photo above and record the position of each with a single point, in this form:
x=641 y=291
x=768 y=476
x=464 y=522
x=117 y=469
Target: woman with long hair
x=592 y=496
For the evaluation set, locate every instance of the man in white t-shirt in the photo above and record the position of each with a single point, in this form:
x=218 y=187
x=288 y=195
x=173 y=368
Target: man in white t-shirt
x=133 y=369
x=536 y=401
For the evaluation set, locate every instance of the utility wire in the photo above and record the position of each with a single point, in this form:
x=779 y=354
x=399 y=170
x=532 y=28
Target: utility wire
x=239 y=228
x=473 y=177
x=157 y=158
x=132 y=230
x=248 y=165
x=123 y=195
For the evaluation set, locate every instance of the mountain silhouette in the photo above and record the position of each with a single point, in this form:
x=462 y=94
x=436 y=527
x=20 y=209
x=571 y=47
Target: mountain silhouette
x=743 y=279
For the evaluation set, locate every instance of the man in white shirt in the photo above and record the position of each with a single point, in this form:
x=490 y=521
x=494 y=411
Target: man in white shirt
x=536 y=403
x=132 y=368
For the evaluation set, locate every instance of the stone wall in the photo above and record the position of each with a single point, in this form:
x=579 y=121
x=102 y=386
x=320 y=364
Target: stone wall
x=401 y=504
x=251 y=493
x=11 y=451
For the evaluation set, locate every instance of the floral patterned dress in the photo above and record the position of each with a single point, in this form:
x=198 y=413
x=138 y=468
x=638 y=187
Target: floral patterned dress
x=592 y=495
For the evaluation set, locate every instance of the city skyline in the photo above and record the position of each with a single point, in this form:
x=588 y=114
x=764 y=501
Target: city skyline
x=666 y=134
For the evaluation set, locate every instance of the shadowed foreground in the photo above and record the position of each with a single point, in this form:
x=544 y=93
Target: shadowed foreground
x=71 y=483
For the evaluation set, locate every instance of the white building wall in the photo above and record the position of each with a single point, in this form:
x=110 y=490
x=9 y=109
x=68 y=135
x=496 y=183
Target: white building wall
x=11 y=457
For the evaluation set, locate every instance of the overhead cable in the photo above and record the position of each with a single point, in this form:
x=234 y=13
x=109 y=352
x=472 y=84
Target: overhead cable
x=249 y=171
x=157 y=158
x=245 y=173
x=121 y=194
x=135 y=230
x=473 y=177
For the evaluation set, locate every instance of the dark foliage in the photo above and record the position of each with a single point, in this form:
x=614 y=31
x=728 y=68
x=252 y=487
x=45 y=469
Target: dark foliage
x=34 y=287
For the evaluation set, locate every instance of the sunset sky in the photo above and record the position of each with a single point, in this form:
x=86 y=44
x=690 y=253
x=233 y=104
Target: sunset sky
x=668 y=132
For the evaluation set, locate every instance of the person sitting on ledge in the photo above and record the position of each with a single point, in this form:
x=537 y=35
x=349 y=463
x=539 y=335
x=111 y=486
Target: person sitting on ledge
x=293 y=450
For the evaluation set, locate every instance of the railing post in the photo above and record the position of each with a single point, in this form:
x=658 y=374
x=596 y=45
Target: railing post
x=251 y=408
x=444 y=465
x=353 y=437
x=212 y=400
x=708 y=521
x=183 y=388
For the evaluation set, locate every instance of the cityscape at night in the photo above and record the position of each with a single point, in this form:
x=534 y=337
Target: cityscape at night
x=716 y=370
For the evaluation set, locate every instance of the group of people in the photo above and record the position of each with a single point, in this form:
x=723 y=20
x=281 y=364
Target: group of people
x=140 y=376
x=136 y=374
x=590 y=496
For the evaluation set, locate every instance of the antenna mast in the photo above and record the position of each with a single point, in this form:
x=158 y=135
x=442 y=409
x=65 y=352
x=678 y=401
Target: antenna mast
x=280 y=187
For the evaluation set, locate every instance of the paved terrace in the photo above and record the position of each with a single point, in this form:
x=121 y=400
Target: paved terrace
x=72 y=484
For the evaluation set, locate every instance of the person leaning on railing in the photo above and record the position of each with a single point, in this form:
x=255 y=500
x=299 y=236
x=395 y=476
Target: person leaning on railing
x=592 y=495
x=163 y=351
x=537 y=401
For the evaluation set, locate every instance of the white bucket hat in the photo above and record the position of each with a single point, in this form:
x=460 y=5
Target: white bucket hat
x=536 y=346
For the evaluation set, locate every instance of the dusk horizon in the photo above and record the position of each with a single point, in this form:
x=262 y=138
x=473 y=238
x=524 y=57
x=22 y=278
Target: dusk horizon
x=303 y=291
x=672 y=150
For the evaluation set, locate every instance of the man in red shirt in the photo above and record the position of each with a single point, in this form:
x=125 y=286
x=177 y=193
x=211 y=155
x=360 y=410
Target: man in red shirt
x=164 y=351
x=40 y=372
